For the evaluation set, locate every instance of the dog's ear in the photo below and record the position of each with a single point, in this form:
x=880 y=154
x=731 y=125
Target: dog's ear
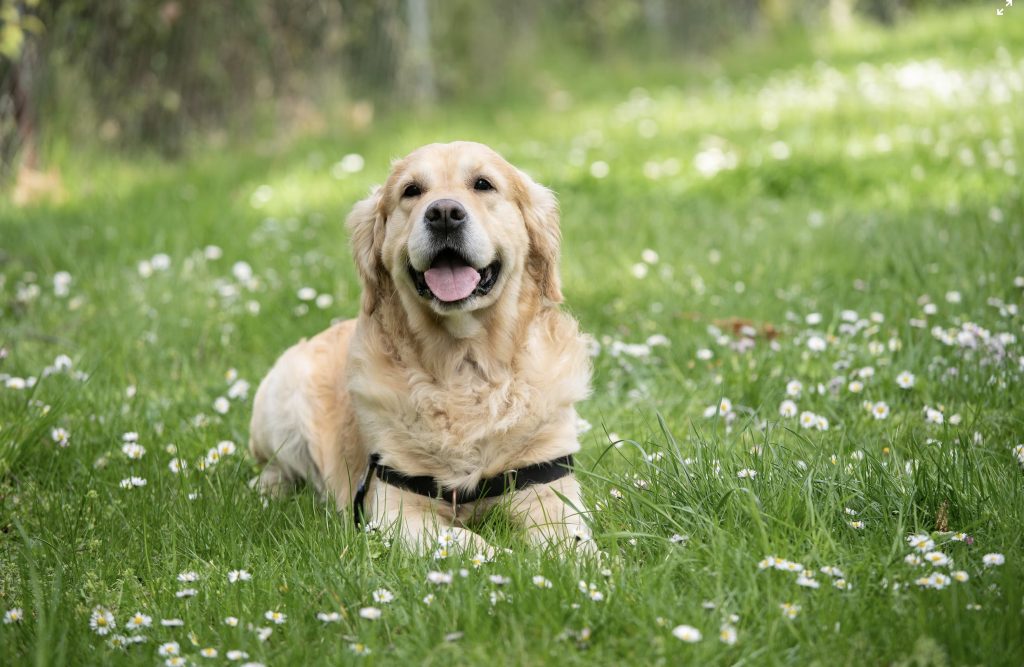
x=366 y=235
x=540 y=211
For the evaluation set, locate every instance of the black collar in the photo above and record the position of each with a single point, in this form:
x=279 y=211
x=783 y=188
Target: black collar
x=506 y=482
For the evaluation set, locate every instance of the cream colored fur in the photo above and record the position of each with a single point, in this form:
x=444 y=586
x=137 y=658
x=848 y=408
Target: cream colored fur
x=460 y=395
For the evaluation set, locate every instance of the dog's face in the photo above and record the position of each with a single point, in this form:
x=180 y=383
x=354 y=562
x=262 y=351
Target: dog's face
x=455 y=229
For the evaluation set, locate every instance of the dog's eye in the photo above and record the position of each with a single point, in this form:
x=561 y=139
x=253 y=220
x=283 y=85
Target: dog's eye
x=412 y=190
x=482 y=184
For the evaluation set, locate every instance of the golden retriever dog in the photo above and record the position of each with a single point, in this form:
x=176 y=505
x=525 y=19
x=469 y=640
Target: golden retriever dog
x=460 y=366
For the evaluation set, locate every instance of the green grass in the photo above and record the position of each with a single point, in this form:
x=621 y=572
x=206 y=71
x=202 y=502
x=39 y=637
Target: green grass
x=890 y=197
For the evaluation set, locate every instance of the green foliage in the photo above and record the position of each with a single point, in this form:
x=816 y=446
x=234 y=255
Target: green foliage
x=840 y=173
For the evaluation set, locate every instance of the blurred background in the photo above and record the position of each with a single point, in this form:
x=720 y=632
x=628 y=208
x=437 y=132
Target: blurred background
x=162 y=75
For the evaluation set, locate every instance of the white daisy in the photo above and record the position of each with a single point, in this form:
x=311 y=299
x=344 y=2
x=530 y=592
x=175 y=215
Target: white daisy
x=235 y=576
x=383 y=596
x=101 y=621
x=138 y=620
x=13 y=615
x=370 y=613
x=275 y=617
x=169 y=649
x=880 y=410
x=992 y=560
x=905 y=380
x=328 y=616
x=541 y=582
x=687 y=633
x=787 y=408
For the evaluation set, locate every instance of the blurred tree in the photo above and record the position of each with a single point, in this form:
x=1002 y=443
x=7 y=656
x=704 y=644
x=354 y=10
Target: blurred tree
x=20 y=28
x=152 y=72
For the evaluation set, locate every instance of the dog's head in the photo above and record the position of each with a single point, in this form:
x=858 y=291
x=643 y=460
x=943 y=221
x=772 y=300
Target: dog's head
x=456 y=229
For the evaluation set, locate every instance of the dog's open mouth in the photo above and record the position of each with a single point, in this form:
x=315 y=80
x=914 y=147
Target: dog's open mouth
x=451 y=279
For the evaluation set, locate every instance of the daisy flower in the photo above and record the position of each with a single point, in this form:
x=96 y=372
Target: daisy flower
x=439 y=578
x=175 y=661
x=221 y=405
x=275 y=617
x=235 y=576
x=479 y=559
x=808 y=419
x=789 y=610
x=132 y=482
x=807 y=582
x=177 y=465
x=724 y=407
x=231 y=621
x=226 y=448
x=880 y=410
x=787 y=408
x=960 y=575
x=169 y=649
x=541 y=582
x=905 y=380
x=138 y=620
x=359 y=649
x=370 y=613
x=727 y=635
x=991 y=560
x=119 y=641
x=816 y=344
x=855 y=387
x=101 y=621
x=428 y=599
x=933 y=416
x=328 y=616
x=793 y=388
x=746 y=473
x=263 y=634
x=821 y=423
x=61 y=436
x=841 y=584
x=186 y=593
x=133 y=450
x=937 y=558
x=687 y=633
x=172 y=622
x=704 y=354
x=383 y=596
x=236 y=655
x=208 y=652
x=921 y=542
x=912 y=559
x=857 y=525
x=938 y=581
x=14 y=615
x=498 y=580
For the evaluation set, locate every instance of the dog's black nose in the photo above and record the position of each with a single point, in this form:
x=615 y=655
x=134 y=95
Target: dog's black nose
x=444 y=216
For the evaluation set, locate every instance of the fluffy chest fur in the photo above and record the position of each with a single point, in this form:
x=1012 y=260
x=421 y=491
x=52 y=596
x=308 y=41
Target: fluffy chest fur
x=465 y=419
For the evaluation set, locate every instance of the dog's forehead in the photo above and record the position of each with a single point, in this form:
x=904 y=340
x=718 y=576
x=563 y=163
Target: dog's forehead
x=454 y=160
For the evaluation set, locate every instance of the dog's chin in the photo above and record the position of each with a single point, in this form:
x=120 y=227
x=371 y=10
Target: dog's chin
x=463 y=287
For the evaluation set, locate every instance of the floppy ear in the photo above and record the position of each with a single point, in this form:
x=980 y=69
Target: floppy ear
x=540 y=211
x=366 y=236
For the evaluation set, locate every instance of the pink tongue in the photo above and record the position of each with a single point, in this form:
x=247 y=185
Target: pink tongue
x=451 y=282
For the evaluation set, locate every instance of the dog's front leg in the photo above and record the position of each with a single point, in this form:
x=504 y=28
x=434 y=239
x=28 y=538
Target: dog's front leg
x=553 y=515
x=424 y=525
